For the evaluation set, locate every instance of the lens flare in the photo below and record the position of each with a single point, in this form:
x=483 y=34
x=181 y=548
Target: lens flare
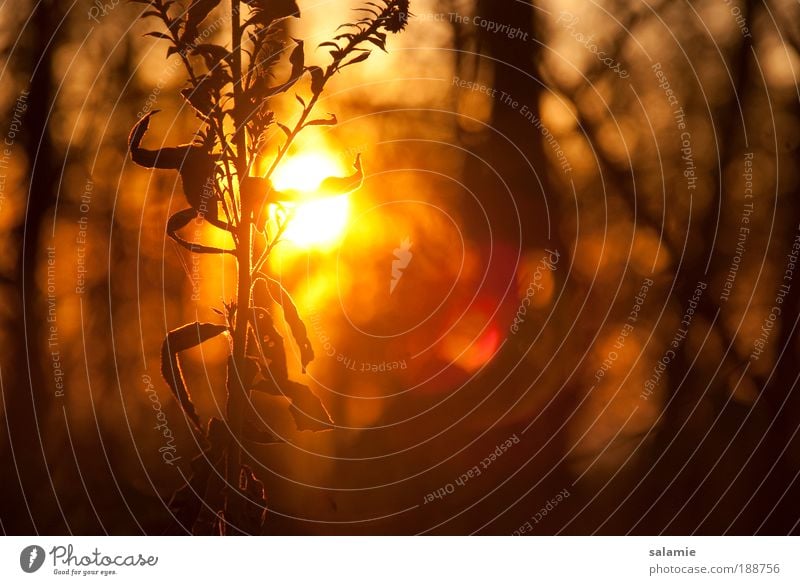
x=316 y=222
x=319 y=223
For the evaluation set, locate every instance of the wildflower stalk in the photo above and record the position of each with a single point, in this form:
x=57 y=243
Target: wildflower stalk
x=237 y=393
x=258 y=356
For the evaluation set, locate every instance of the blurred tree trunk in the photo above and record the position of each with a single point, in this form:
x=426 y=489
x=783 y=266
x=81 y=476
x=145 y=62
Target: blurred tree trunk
x=28 y=391
x=692 y=453
x=515 y=147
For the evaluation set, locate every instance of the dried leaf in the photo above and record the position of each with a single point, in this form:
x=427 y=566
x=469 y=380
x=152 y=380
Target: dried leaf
x=203 y=489
x=269 y=343
x=297 y=60
x=307 y=409
x=332 y=121
x=333 y=186
x=266 y=289
x=195 y=164
x=178 y=340
x=317 y=79
x=330 y=187
x=247 y=512
x=180 y=220
x=259 y=436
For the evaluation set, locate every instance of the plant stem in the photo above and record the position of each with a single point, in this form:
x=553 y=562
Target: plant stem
x=237 y=393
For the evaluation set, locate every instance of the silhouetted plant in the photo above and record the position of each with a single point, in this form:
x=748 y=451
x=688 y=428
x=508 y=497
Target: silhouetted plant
x=229 y=91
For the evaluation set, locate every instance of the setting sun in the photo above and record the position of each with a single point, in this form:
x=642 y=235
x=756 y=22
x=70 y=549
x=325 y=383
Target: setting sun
x=315 y=222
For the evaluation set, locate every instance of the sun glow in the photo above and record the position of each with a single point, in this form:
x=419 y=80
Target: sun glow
x=315 y=222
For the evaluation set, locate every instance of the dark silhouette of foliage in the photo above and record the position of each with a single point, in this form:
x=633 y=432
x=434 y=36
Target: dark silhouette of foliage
x=229 y=91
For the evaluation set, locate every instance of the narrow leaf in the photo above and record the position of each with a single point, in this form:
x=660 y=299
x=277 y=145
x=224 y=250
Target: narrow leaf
x=362 y=57
x=158 y=35
x=178 y=340
x=284 y=128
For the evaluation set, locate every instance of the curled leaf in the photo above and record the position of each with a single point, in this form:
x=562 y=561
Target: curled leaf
x=178 y=340
x=268 y=289
x=333 y=186
x=247 y=512
x=330 y=187
x=181 y=219
x=195 y=163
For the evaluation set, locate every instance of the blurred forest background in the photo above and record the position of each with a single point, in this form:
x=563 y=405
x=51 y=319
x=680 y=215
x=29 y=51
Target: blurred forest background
x=646 y=150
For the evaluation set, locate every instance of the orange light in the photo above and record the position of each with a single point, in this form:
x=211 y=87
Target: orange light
x=316 y=223
x=305 y=171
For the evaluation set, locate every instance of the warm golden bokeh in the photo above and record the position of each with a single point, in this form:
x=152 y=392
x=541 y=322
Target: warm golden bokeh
x=520 y=259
